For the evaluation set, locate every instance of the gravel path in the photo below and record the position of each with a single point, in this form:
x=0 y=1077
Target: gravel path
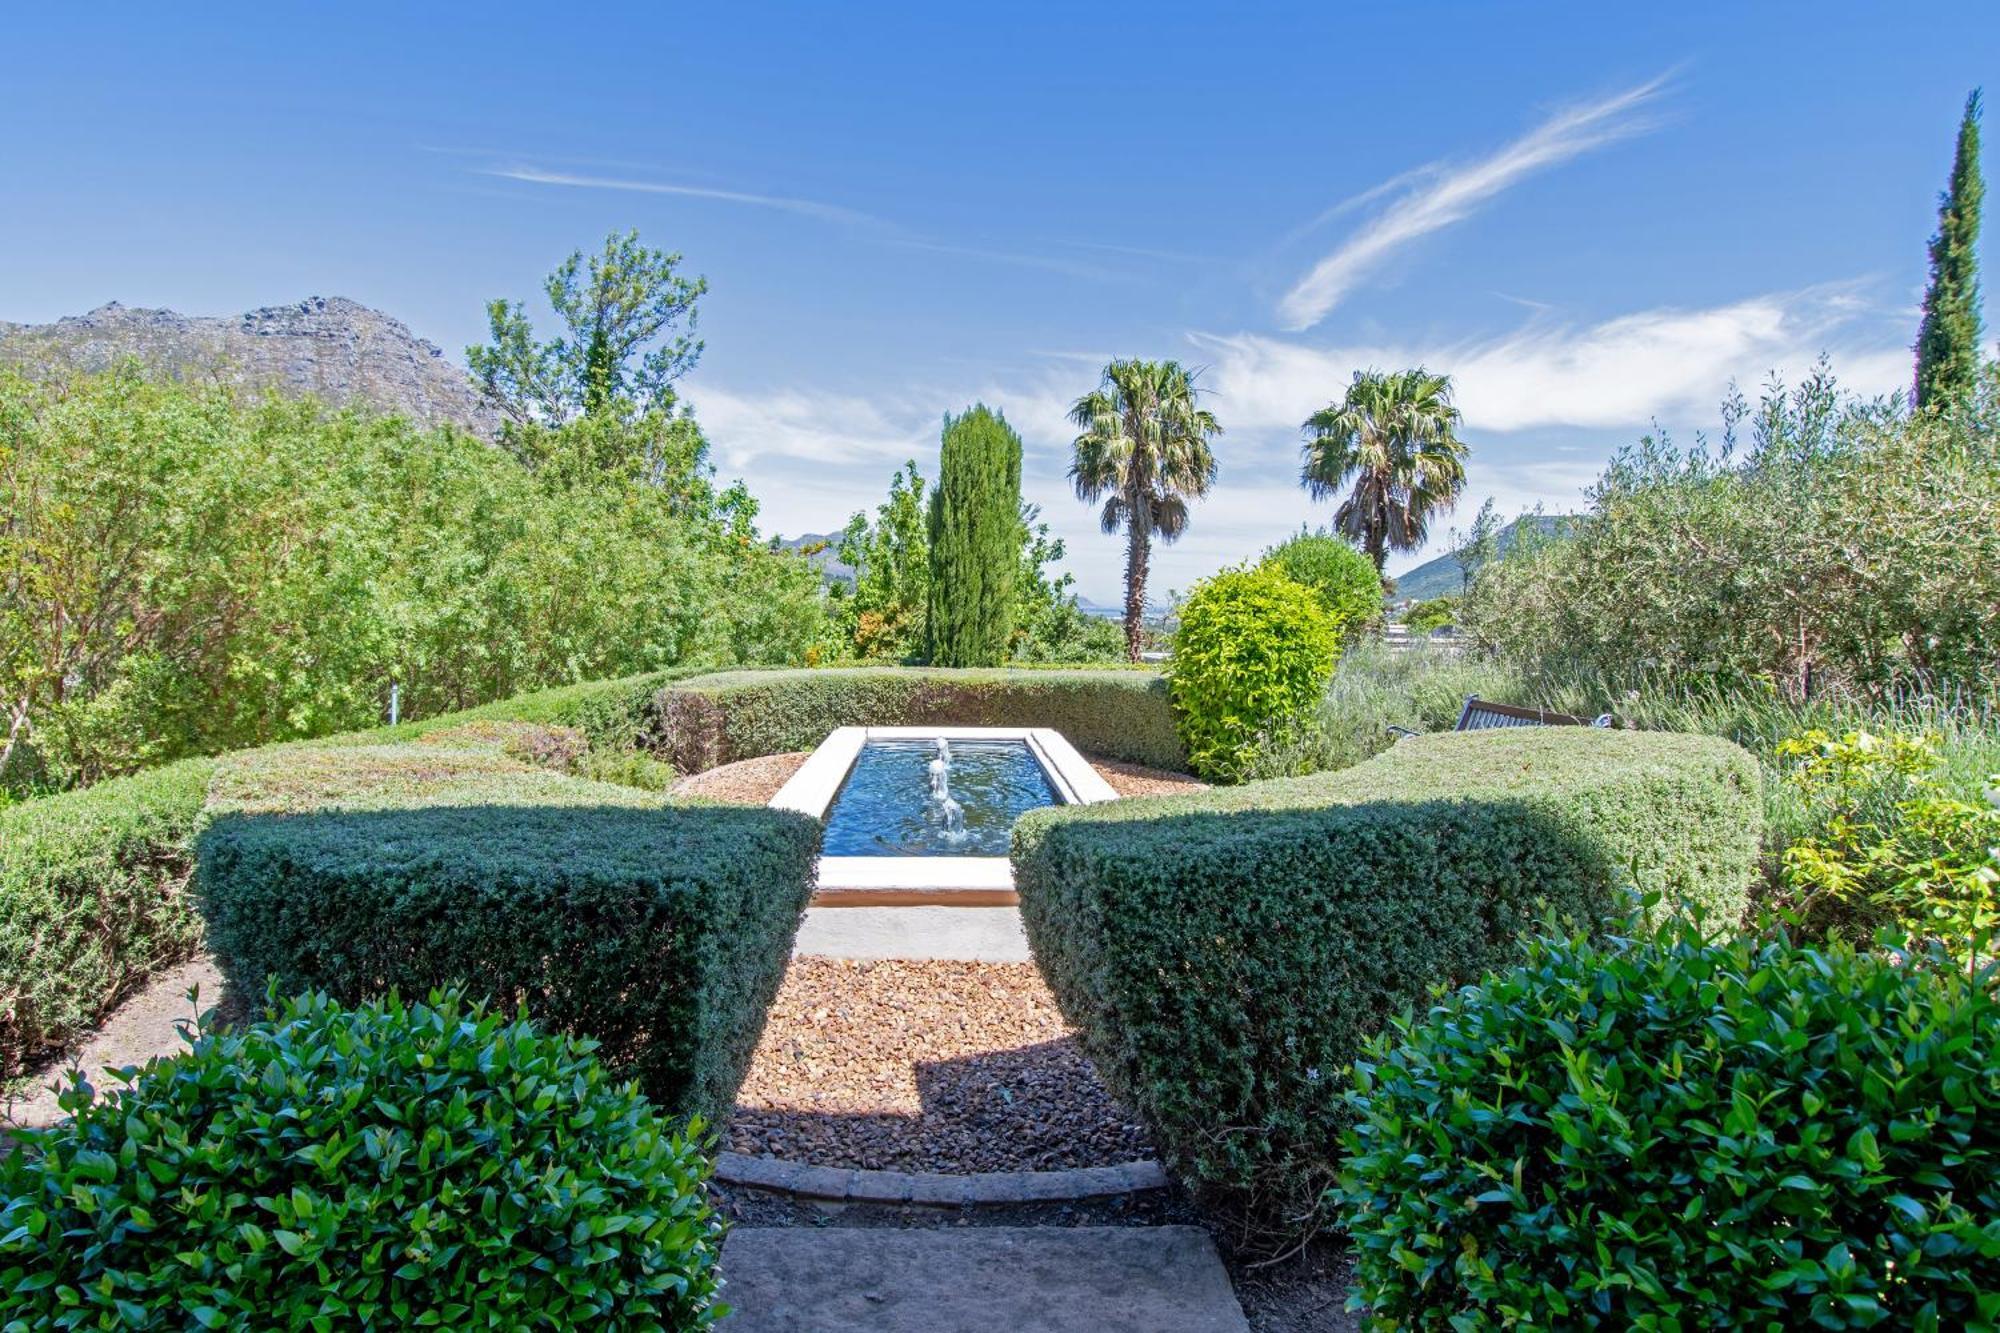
x=148 y=1024
x=755 y=781
x=926 y=1066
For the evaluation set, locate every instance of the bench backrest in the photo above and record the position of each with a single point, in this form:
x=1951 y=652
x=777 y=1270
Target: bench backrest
x=1484 y=715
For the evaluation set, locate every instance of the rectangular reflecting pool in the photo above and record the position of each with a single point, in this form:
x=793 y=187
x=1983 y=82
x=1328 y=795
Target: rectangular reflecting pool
x=935 y=798
x=901 y=829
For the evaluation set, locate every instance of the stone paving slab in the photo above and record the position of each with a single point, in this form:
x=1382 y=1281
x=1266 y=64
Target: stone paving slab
x=971 y=934
x=835 y=1184
x=976 y=1280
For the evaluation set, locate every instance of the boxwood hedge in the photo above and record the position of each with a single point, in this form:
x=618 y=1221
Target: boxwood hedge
x=1224 y=955
x=661 y=931
x=424 y=1166
x=93 y=883
x=93 y=900
x=717 y=719
x=1673 y=1132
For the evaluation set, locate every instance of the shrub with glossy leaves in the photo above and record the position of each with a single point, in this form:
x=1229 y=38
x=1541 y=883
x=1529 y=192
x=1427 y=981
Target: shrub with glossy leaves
x=389 y=1166
x=1669 y=1132
x=1252 y=654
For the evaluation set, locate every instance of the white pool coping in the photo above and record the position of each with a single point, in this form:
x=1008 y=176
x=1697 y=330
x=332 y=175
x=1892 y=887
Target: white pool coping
x=874 y=881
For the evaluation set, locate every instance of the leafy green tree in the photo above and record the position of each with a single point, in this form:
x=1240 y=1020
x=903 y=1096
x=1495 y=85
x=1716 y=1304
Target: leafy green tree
x=1396 y=436
x=1848 y=549
x=884 y=614
x=1435 y=613
x=976 y=538
x=1145 y=450
x=1346 y=580
x=1948 y=338
x=1478 y=544
x=184 y=571
x=628 y=318
x=1049 y=626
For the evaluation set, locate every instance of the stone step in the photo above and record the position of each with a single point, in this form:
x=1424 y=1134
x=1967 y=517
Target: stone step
x=977 y=1280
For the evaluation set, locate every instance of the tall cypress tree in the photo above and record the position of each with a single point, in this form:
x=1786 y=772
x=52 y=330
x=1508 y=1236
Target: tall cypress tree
x=1948 y=339
x=976 y=537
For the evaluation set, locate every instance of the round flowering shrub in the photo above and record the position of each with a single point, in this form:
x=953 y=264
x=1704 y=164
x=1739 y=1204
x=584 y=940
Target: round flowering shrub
x=389 y=1166
x=1669 y=1132
x=1251 y=656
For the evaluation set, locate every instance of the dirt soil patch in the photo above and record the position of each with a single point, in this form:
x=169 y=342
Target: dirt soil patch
x=147 y=1025
x=926 y=1066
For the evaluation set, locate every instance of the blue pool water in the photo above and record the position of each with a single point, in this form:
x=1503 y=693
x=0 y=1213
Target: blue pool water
x=885 y=807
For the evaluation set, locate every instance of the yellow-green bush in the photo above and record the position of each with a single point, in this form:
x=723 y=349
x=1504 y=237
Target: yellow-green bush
x=1224 y=955
x=1890 y=843
x=1251 y=657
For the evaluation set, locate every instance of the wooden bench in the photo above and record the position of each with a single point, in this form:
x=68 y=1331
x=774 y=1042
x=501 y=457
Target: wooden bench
x=1485 y=715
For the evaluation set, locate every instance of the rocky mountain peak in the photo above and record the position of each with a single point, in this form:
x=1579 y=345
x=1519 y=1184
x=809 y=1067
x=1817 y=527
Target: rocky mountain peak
x=338 y=349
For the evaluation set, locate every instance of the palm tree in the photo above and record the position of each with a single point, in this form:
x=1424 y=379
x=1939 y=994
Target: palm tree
x=1144 y=451
x=1396 y=435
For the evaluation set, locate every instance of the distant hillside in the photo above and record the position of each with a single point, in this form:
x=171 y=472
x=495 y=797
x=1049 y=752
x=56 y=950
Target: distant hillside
x=1441 y=577
x=830 y=566
x=338 y=349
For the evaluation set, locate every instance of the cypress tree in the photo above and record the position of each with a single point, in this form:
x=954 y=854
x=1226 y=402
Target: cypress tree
x=976 y=537
x=1948 y=339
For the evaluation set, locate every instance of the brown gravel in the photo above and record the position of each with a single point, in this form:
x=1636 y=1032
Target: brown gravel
x=926 y=1066
x=1138 y=780
x=755 y=781
x=747 y=782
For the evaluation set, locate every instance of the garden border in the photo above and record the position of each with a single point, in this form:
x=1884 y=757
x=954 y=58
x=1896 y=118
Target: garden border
x=937 y=1189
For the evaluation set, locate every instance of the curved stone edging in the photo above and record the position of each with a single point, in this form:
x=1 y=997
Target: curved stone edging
x=837 y=1184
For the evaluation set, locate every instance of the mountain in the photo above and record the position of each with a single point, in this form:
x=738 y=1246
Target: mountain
x=822 y=546
x=340 y=350
x=1441 y=577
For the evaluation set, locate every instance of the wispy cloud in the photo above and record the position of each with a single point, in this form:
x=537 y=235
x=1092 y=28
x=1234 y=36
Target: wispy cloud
x=877 y=228
x=813 y=427
x=1666 y=363
x=1441 y=194
x=1545 y=404
x=805 y=207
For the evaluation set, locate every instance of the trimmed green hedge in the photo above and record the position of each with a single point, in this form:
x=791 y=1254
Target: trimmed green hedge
x=93 y=901
x=612 y=714
x=93 y=883
x=1669 y=1132
x=660 y=931
x=434 y=1165
x=1224 y=955
x=717 y=719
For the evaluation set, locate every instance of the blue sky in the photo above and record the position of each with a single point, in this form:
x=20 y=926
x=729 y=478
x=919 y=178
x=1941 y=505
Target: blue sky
x=1592 y=216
